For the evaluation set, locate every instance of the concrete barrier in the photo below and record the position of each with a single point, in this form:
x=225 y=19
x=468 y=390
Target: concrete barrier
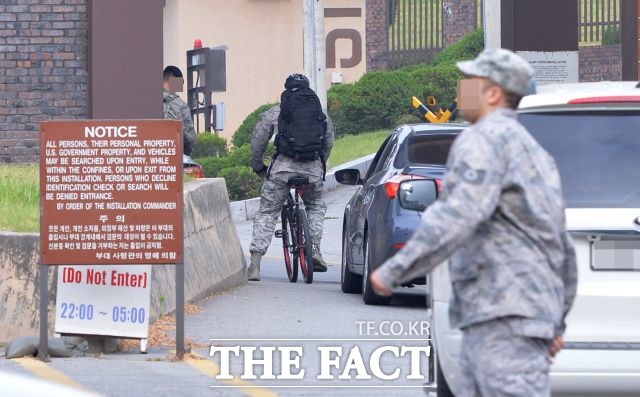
x=246 y=209
x=213 y=261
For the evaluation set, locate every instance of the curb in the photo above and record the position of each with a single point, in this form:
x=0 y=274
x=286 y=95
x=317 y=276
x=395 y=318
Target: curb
x=245 y=210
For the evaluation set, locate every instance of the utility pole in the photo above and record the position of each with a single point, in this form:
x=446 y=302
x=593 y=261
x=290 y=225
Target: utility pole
x=314 y=47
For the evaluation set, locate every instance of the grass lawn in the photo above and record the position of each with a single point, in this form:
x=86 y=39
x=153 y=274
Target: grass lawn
x=351 y=147
x=19 y=184
x=19 y=199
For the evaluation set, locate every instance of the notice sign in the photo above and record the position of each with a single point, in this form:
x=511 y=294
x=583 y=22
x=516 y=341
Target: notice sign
x=108 y=300
x=111 y=192
x=553 y=67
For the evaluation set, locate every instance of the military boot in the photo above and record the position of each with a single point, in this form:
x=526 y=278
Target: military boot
x=319 y=265
x=253 y=272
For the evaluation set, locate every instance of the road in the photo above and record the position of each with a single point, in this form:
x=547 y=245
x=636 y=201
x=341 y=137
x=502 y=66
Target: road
x=273 y=309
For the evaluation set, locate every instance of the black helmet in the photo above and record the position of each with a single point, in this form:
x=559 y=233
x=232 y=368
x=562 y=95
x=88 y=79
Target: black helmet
x=296 y=80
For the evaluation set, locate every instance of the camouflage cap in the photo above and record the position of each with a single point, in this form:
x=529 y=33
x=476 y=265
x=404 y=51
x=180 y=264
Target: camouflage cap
x=504 y=67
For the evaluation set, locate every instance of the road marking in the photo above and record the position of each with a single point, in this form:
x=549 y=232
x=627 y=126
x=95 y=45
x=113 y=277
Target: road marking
x=211 y=369
x=47 y=372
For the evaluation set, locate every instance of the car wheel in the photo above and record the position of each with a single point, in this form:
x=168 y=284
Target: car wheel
x=350 y=282
x=368 y=296
x=443 y=386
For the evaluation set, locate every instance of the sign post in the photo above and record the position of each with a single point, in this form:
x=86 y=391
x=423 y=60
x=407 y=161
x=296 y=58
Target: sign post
x=111 y=196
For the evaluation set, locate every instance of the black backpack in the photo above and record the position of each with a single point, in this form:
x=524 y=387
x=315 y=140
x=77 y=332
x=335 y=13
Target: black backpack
x=301 y=125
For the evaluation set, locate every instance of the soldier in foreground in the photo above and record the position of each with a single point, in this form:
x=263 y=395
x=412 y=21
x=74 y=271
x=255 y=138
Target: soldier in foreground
x=500 y=217
x=175 y=108
x=303 y=144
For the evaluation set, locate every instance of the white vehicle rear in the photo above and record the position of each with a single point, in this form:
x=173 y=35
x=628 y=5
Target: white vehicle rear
x=593 y=132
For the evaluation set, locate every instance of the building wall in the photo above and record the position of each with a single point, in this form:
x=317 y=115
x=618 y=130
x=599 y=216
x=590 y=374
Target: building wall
x=264 y=46
x=600 y=63
x=43 y=70
x=458 y=19
x=377 y=34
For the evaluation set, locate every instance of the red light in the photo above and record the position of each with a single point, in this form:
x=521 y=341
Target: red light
x=398 y=246
x=392 y=185
x=197 y=43
x=605 y=99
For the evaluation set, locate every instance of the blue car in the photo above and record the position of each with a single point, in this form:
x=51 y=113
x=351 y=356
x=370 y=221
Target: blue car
x=385 y=211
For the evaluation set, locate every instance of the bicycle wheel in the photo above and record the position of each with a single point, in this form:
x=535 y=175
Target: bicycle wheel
x=290 y=264
x=305 y=247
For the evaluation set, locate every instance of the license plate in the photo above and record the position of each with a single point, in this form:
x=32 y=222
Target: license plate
x=618 y=254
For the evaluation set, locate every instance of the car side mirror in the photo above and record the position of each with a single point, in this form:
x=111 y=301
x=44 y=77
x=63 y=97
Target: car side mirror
x=417 y=194
x=348 y=177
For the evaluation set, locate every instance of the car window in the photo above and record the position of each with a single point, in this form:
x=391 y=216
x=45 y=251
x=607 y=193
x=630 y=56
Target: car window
x=596 y=154
x=429 y=149
x=388 y=154
x=376 y=158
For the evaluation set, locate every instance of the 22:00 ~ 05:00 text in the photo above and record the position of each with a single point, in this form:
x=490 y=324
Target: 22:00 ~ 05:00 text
x=121 y=314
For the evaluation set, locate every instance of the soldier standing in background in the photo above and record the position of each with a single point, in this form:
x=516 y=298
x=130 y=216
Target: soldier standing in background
x=501 y=218
x=175 y=108
x=285 y=166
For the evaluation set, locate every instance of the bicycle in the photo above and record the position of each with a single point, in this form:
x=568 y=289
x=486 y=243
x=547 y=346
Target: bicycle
x=296 y=239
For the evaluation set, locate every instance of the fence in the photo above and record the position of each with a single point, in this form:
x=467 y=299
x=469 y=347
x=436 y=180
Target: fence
x=599 y=22
x=415 y=31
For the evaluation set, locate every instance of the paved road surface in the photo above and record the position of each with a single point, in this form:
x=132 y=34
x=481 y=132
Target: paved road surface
x=272 y=309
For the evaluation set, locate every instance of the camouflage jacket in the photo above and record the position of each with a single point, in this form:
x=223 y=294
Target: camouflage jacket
x=177 y=109
x=500 y=217
x=264 y=131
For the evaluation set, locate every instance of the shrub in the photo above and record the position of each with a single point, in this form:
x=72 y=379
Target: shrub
x=242 y=182
x=381 y=99
x=466 y=48
x=210 y=145
x=438 y=81
x=611 y=35
x=373 y=102
x=213 y=165
x=243 y=134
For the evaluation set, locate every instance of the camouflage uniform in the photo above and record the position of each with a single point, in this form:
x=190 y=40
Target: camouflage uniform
x=176 y=109
x=500 y=217
x=275 y=188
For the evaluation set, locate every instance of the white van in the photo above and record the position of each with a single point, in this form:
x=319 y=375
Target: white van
x=593 y=132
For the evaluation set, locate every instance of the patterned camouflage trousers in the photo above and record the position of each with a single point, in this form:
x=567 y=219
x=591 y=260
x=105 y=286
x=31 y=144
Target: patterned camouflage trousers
x=272 y=197
x=497 y=360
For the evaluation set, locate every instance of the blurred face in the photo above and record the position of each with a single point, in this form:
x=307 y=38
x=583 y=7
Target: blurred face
x=478 y=96
x=176 y=84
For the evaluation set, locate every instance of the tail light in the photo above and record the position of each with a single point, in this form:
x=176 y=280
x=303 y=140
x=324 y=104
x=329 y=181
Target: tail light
x=393 y=184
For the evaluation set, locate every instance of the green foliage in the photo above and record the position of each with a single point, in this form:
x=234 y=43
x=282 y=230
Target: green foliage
x=209 y=144
x=466 y=48
x=611 y=35
x=243 y=134
x=213 y=165
x=382 y=99
x=19 y=198
x=351 y=147
x=373 y=102
x=439 y=81
x=242 y=182
x=234 y=165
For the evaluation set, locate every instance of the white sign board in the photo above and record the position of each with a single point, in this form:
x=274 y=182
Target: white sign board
x=553 y=67
x=110 y=300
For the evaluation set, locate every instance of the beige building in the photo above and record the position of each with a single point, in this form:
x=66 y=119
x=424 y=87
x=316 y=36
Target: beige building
x=264 y=40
